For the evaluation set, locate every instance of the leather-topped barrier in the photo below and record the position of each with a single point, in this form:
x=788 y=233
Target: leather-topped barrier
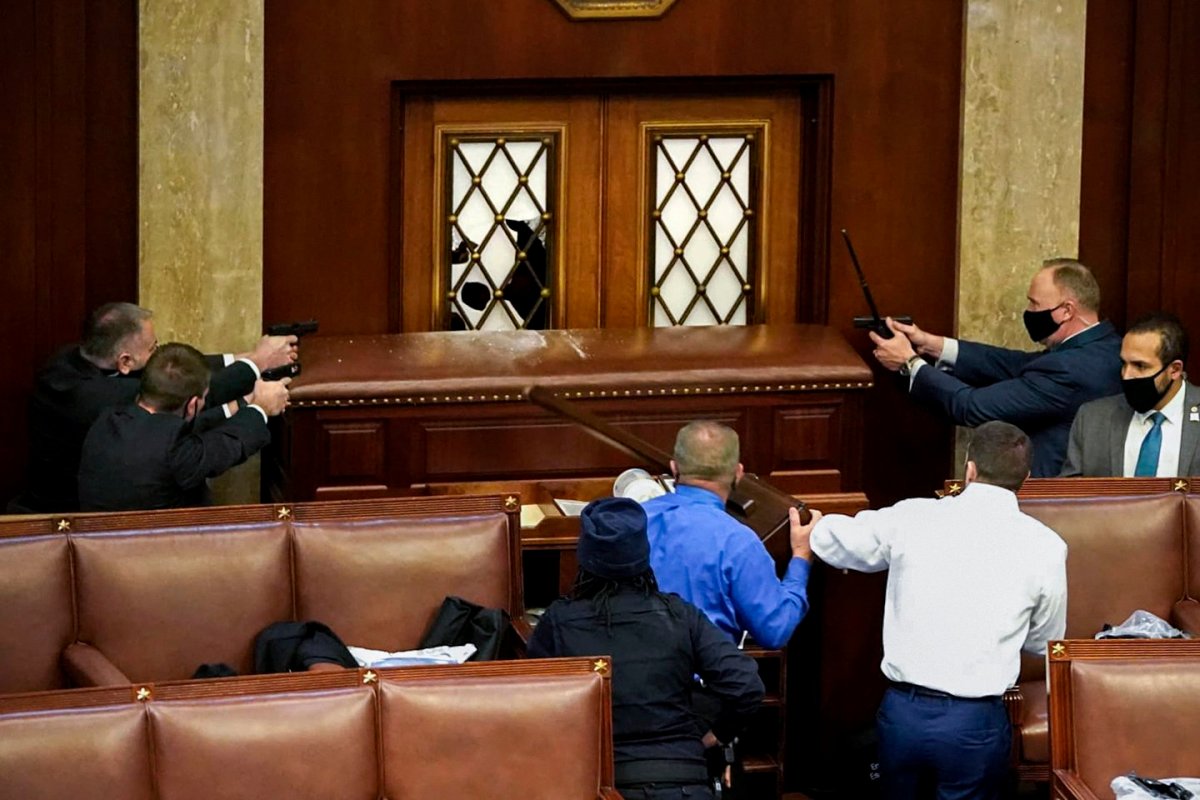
x=150 y=596
x=536 y=730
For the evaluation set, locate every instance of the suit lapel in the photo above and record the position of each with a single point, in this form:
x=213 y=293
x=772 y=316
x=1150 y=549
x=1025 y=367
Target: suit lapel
x=1190 y=436
x=1118 y=430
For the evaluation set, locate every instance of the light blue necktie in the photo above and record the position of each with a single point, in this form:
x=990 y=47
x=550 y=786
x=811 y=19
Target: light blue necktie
x=1147 y=463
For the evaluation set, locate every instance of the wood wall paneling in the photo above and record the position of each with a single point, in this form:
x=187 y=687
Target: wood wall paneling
x=18 y=223
x=1140 y=216
x=68 y=186
x=1107 y=127
x=892 y=103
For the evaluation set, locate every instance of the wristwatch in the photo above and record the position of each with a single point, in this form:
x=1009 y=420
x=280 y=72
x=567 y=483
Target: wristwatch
x=908 y=366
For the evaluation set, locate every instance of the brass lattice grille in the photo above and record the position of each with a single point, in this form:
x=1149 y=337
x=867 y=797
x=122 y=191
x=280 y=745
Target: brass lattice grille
x=704 y=207
x=499 y=235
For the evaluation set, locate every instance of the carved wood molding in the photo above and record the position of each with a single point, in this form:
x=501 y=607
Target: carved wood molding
x=614 y=9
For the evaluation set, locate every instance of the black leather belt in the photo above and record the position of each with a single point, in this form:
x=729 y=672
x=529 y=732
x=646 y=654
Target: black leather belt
x=683 y=773
x=924 y=691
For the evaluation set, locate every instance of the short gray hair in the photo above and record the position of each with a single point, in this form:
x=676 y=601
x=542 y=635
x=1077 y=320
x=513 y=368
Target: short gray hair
x=109 y=326
x=707 y=450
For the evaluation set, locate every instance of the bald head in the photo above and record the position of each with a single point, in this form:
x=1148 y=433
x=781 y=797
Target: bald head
x=707 y=451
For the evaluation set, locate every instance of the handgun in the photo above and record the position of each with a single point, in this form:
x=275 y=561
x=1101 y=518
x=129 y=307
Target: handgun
x=279 y=373
x=292 y=328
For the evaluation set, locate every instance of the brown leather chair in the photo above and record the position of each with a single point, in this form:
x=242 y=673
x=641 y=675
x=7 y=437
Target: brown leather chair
x=1123 y=705
x=38 y=618
x=1125 y=553
x=519 y=729
x=149 y=596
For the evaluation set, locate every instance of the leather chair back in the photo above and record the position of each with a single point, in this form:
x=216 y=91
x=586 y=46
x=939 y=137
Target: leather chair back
x=529 y=729
x=98 y=755
x=159 y=603
x=1135 y=714
x=1123 y=554
x=37 y=618
x=1192 y=521
x=544 y=738
x=358 y=576
x=303 y=746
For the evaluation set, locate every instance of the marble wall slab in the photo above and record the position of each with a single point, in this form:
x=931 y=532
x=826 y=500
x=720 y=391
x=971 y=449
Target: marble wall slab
x=1021 y=143
x=201 y=178
x=1022 y=132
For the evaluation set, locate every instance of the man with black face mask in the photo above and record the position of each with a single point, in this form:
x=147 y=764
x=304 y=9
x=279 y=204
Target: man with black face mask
x=153 y=454
x=1153 y=427
x=1039 y=392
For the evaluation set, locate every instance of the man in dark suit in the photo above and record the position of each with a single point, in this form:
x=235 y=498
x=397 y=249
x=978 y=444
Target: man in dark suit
x=1038 y=392
x=153 y=454
x=83 y=380
x=1153 y=427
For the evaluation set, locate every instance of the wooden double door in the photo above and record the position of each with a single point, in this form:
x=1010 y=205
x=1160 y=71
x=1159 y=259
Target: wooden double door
x=615 y=207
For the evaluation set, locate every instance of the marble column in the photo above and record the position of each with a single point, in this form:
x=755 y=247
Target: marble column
x=1022 y=133
x=201 y=178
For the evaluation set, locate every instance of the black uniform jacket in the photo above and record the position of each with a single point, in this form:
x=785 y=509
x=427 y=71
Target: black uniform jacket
x=657 y=643
x=69 y=395
x=133 y=459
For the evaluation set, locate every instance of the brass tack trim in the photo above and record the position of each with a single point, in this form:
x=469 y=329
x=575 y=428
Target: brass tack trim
x=63 y=525
x=370 y=677
x=142 y=694
x=663 y=391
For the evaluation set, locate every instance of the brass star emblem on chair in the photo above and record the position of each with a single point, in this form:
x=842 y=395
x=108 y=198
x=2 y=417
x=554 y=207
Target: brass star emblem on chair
x=143 y=694
x=64 y=525
x=1058 y=649
x=370 y=676
x=600 y=665
x=283 y=513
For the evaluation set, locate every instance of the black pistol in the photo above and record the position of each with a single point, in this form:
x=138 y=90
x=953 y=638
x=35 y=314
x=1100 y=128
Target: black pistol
x=873 y=322
x=296 y=329
x=293 y=328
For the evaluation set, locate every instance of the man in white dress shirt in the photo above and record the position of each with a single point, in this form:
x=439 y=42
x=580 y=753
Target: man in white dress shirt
x=973 y=582
x=1151 y=429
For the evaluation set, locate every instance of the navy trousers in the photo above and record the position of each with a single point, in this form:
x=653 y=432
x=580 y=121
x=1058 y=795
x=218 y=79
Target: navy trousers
x=939 y=746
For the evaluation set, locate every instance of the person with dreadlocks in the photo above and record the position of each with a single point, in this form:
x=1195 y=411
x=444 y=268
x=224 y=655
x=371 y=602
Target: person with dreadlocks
x=657 y=642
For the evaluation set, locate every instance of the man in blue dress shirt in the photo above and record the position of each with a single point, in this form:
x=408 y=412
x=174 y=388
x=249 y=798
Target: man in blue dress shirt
x=700 y=552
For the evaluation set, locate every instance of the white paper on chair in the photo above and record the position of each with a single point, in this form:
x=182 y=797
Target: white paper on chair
x=445 y=654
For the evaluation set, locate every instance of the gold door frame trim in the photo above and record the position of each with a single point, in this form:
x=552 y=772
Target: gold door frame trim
x=648 y=129
x=441 y=266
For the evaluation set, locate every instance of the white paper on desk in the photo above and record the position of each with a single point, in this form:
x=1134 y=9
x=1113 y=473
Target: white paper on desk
x=570 y=508
x=444 y=654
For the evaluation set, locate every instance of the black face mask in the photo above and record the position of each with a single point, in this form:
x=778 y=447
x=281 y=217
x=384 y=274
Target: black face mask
x=1141 y=393
x=1041 y=324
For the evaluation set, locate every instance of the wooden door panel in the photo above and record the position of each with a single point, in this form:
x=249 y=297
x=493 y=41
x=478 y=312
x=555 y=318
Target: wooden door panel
x=576 y=120
x=631 y=121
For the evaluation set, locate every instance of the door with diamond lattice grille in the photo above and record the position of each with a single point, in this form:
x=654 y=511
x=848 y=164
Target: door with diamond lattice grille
x=613 y=209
